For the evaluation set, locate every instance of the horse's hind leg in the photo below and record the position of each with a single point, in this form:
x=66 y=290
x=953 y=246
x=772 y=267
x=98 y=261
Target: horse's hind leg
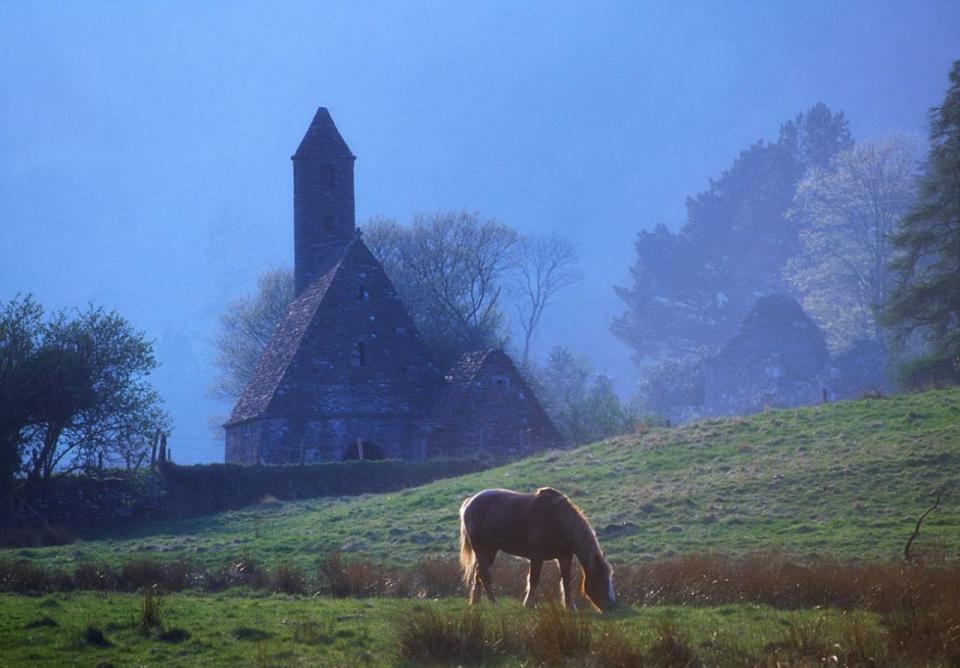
x=566 y=590
x=475 y=586
x=484 y=561
x=533 y=579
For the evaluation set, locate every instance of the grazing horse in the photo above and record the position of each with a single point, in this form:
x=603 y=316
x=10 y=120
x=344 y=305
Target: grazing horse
x=540 y=526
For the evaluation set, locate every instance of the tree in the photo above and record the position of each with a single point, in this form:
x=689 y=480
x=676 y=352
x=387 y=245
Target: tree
x=20 y=320
x=582 y=404
x=449 y=269
x=673 y=387
x=545 y=266
x=81 y=386
x=925 y=303
x=245 y=330
x=847 y=214
x=692 y=288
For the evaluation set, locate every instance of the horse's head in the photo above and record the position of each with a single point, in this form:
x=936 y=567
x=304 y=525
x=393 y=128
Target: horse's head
x=597 y=583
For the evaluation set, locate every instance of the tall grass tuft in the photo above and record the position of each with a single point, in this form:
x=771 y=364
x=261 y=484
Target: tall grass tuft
x=430 y=637
x=558 y=635
x=151 y=608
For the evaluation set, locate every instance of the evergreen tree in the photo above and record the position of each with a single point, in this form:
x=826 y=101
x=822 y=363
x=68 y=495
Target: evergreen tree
x=925 y=305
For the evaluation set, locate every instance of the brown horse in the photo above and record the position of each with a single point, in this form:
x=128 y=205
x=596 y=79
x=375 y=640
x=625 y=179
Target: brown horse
x=540 y=526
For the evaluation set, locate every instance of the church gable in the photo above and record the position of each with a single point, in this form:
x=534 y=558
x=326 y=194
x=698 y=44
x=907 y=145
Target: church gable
x=487 y=406
x=361 y=353
x=283 y=346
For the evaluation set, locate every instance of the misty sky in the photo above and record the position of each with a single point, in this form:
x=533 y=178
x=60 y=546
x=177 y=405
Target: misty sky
x=144 y=147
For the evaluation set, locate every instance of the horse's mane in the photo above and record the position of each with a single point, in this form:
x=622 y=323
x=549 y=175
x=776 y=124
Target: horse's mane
x=574 y=524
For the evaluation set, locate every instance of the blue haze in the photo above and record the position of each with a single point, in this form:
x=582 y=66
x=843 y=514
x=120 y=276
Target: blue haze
x=144 y=147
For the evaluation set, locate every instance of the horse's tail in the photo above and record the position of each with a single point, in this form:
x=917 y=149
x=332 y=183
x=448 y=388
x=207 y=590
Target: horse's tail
x=468 y=559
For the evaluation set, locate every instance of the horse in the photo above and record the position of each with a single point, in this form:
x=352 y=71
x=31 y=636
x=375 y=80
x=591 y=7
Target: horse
x=540 y=526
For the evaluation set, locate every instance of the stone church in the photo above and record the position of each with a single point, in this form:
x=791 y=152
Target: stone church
x=346 y=374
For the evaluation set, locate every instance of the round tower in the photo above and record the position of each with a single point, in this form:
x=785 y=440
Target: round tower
x=323 y=209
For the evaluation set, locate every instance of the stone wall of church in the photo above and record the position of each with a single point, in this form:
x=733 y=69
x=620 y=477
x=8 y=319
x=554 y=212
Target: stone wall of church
x=495 y=415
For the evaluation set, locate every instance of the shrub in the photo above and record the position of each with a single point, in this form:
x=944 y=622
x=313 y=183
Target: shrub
x=438 y=577
x=289 y=579
x=359 y=578
x=22 y=578
x=141 y=574
x=93 y=576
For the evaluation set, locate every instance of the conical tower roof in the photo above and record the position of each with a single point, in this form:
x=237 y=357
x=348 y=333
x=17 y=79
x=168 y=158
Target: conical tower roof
x=322 y=139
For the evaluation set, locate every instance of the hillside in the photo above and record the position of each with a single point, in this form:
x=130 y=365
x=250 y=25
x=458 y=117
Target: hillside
x=847 y=479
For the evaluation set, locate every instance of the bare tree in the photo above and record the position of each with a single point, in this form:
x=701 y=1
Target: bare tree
x=449 y=269
x=545 y=266
x=245 y=331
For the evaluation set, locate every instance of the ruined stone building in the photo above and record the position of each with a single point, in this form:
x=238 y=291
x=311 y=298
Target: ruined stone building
x=779 y=359
x=346 y=370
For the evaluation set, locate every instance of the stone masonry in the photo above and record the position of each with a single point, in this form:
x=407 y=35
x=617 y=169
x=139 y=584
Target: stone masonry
x=346 y=370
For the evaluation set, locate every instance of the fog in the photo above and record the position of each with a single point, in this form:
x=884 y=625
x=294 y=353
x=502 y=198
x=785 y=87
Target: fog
x=144 y=147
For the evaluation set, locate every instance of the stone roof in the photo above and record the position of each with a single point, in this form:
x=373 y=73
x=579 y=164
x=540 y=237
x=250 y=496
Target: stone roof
x=323 y=139
x=275 y=360
x=465 y=369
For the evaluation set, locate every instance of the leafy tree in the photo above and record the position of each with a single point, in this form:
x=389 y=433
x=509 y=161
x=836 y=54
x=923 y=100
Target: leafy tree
x=449 y=269
x=245 y=330
x=582 y=404
x=80 y=386
x=672 y=384
x=847 y=213
x=693 y=288
x=20 y=320
x=545 y=266
x=925 y=303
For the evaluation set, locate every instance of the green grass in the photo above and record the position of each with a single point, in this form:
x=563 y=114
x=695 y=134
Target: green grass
x=239 y=629
x=847 y=479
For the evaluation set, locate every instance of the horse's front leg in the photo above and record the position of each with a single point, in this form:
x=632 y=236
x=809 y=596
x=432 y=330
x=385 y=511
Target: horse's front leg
x=533 y=579
x=566 y=590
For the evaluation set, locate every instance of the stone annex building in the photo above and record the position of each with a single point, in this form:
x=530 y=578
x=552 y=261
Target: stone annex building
x=346 y=370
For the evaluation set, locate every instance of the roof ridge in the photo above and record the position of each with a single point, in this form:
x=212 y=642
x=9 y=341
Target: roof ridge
x=247 y=406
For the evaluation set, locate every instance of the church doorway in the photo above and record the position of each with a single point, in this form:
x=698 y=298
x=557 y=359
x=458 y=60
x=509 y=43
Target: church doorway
x=371 y=451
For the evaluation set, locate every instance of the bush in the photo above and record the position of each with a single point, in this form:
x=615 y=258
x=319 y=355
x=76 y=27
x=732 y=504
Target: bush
x=22 y=578
x=358 y=578
x=289 y=579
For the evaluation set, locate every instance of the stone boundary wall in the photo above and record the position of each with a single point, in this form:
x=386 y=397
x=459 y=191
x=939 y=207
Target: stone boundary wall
x=64 y=508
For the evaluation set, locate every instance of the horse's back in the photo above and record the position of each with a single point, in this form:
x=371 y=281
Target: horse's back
x=496 y=515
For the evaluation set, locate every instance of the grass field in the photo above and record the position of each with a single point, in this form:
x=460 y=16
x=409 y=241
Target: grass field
x=847 y=479
x=239 y=629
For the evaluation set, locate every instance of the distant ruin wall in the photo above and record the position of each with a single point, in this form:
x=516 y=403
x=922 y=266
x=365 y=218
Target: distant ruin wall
x=71 y=506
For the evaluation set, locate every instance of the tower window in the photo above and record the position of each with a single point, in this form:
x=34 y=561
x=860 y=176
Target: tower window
x=327 y=178
x=359 y=354
x=328 y=221
x=362 y=294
